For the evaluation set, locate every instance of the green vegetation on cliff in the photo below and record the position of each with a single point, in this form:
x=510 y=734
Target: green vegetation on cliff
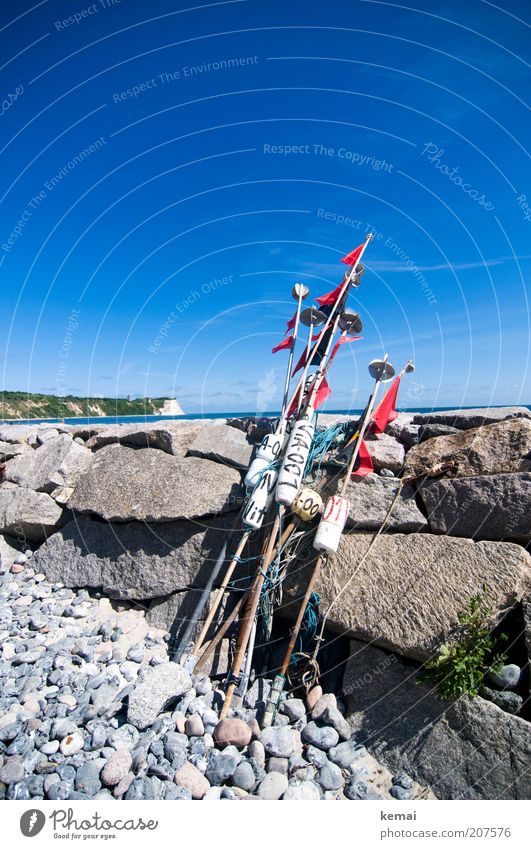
x=24 y=405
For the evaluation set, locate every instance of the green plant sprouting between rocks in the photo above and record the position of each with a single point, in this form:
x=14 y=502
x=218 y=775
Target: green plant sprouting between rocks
x=460 y=666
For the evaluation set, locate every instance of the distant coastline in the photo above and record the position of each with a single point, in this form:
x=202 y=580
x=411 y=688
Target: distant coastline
x=117 y=419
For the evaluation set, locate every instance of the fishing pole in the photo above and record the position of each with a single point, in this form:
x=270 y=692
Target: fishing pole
x=327 y=536
x=252 y=516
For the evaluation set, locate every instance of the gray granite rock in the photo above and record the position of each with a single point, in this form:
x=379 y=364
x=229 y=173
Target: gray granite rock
x=484 y=506
x=410 y=590
x=471 y=418
x=9 y=450
x=132 y=560
x=24 y=513
x=124 y=484
x=173 y=437
x=445 y=746
x=279 y=742
x=57 y=462
x=160 y=687
x=223 y=444
x=370 y=498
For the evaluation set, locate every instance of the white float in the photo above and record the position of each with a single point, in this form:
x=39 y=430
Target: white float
x=333 y=520
x=268 y=451
x=308 y=504
x=260 y=500
x=294 y=462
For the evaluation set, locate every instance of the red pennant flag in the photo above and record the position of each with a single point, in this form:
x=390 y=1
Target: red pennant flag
x=302 y=361
x=322 y=393
x=365 y=466
x=286 y=343
x=291 y=322
x=352 y=258
x=341 y=341
x=386 y=411
x=330 y=297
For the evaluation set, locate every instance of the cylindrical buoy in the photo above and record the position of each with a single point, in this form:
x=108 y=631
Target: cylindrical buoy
x=308 y=504
x=294 y=462
x=331 y=526
x=268 y=451
x=260 y=500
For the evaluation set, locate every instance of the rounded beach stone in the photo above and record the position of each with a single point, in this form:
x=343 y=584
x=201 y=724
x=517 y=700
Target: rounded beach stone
x=304 y=791
x=189 y=777
x=244 y=776
x=233 y=732
x=279 y=742
x=324 y=738
x=193 y=727
x=257 y=751
x=278 y=765
x=507 y=678
x=313 y=696
x=330 y=777
x=116 y=767
x=293 y=708
x=322 y=705
x=72 y=744
x=273 y=786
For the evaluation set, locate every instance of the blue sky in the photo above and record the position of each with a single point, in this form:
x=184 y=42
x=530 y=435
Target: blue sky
x=169 y=171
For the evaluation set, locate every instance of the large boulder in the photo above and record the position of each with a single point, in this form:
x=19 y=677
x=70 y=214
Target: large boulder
x=485 y=507
x=224 y=444
x=171 y=437
x=490 y=450
x=9 y=450
x=410 y=590
x=386 y=452
x=469 y=749
x=10 y=548
x=466 y=419
x=58 y=462
x=27 y=514
x=152 y=486
x=370 y=498
x=133 y=560
x=403 y=429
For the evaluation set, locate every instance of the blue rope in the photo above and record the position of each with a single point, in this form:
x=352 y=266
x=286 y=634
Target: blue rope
x=322 y=442
x=308 y=628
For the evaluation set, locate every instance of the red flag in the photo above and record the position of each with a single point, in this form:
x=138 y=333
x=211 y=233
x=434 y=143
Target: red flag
x=302 y=360
x=365 y=466
x=322 y=393
x=352 y=258
x=291 y=322
x=341 y=341
x=286 y=343
x=386 y=411
x=330 y=297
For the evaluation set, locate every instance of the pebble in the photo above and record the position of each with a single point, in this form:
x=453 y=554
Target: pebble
x=293 y=708
x=333 y=717
x=193 y=726
x=331 y=777
x=12 y=770
x=72 y=743
x=273 y=786
x=191 y=779
x=116 y=767
x=278 y=765
x=257 y=751
x=279 y=742
x=244 y=776
x=324 y=737
x=87 y=778
x=398 y=792
x=346 y=753
x=507 y=678
x=328 y=700
x=304 y=791
x=221 y=768
x=234 y=732
x=313 y=696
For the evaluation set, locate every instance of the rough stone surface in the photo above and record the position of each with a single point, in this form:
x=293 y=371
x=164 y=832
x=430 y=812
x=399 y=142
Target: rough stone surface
x=304 y=791
x=386 y=452
x=485 y=506
x=9 y=450
x=466 y=419
x=59 y=461
x=469 y=749
x=410 y=590
x=370 y=498
x=490 y=450
x=148 y=485
x=24 y=512
x=222 y=444
x=161 y=685
x=171 y=437
x=10 y=548
x=132 y=560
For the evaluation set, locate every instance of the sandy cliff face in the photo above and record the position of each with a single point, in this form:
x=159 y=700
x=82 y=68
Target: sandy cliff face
x=171 y=407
